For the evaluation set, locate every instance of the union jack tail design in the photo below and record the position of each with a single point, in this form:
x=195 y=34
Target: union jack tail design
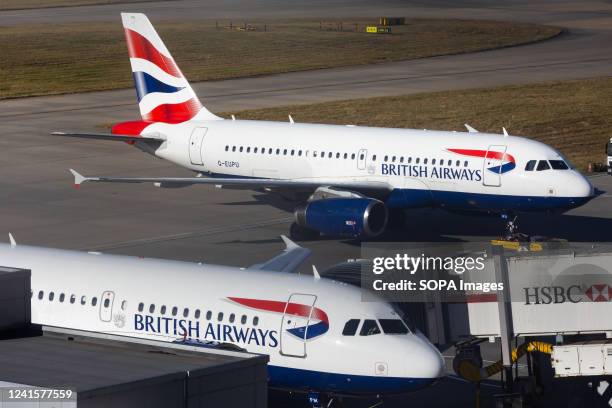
x=164 y=95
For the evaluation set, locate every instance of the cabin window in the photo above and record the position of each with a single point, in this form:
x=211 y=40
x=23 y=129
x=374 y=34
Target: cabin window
x=263 y=150
x=373 y=158
x=232 y=318
x=409 y=159
x=353 y=156
x=285 y=152
x=197 y=314
x=62 y=297
x=558 y=165
x=226 y=148
x=457 y=163
x=84 y=300
x=241 y=148
x=425 y=160
x=140 y=306
x=346 y=155
x=418 y=160
x=543 y=165
x=94 y=301
x=386 y=158
x=393 y=326
x=51 y=296
x=186 y=312
x=270 y=150
x=72 y=298
x=392 y=158
x=233 y=148
x=124 y=305
x=350 y=328
x=337 y=155
x=450 y=163
x=369 y=328
x=41 y=294
x=530 y=165
x=255 y=321
x=255 y=150
x=248 y=149
x=162 y=310
x=208 y=315
x=174 y=310
x=465 y=163
x=299 y=153
x=322 y=155
x=243 y=319
x=152 y=308
x=329 y=155
x=220 y=316
x=402 y=159
x=277 y=152
x=106 y=303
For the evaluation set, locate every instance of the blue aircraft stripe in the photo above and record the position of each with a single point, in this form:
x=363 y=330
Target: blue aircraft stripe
x=146 y=84
x=504 y=168
x=313 y=330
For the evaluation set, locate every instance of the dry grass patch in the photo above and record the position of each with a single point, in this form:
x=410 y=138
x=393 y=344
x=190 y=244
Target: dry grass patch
x=39 y=60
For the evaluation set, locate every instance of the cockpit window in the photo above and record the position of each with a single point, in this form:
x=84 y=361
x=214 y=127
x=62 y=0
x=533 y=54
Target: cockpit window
x=369 y=328
x=350 y=328
x=393 y=326
x=543 y=165
x=558 y=165
x=530 y=165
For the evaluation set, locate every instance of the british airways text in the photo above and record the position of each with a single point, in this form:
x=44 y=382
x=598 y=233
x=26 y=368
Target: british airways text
x=210 y=331
x=449 y=173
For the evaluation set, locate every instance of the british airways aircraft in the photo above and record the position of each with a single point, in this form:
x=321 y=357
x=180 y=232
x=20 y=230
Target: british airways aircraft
x=319 y=334
x=345 y=180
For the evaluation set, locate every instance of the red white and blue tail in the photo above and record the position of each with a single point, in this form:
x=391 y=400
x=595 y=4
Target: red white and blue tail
x=164 y=95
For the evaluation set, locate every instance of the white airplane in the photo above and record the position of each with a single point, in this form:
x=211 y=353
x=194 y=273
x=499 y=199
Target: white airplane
x=319 y=334
x=345 y=180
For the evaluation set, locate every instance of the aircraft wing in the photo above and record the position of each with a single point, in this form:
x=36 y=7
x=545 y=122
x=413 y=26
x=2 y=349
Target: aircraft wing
x=288 y=261
x=249 y=183
x=109 y=136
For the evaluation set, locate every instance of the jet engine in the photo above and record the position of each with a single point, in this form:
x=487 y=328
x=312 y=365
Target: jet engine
x=353 y=217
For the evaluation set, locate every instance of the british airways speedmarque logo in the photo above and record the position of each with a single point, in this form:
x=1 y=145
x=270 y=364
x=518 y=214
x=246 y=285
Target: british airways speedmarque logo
x=504 y=161
x=318 y=323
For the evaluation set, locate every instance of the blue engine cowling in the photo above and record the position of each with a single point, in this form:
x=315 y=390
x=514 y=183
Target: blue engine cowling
x=354 y=217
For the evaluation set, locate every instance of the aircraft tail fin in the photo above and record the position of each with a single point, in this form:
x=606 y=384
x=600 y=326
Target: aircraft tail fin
x=164 y=95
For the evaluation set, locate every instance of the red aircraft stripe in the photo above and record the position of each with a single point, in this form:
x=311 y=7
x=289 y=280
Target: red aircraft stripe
x=294 y=309
x=482 y=153
x=140 y=47
x=174 y=113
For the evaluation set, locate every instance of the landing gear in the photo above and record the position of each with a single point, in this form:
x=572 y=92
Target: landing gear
x=300 y=233
x=318 y=400
x=512 y=233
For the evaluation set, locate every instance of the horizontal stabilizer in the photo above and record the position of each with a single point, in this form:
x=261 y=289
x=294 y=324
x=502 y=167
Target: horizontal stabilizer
x=109 y=136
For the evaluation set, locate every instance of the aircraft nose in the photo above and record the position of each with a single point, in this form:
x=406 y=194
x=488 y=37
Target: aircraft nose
x=433 y=366
x=583 y=188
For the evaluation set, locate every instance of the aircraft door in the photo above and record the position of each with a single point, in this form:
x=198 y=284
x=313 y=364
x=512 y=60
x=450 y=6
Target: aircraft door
x=492 y=165
x=362 y=158
x=106 y=305
x=195 y=145
x=294 y=326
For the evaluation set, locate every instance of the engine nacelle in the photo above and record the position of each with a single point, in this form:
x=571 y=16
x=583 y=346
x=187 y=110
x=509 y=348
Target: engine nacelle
x=354 y=217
